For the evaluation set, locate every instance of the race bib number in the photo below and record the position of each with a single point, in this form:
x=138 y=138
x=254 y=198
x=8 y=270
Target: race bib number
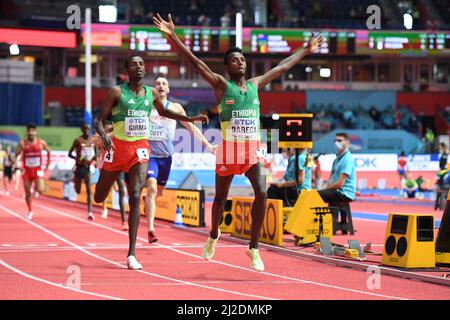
x=87 y=153
x=157 y=133
x=109 y=156
x=33 y=162
x=142 y=154
x=244 y=128
x=136 y=126
x=40 y=173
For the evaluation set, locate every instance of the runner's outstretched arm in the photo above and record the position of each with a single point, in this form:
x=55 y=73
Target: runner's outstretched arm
x=193 y=130
x=72 y=148
x=217 y=81
x=164 y=112
x=286 y=64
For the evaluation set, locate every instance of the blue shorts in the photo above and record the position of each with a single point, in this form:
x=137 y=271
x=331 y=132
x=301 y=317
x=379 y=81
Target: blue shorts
x=159 y=169
x=401 y=171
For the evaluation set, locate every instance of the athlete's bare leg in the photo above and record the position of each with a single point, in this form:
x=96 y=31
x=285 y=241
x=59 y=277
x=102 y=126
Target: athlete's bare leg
x=258 y=180
x=121 y=187
x=150 y=202
x=17 y=177
x=28 y=197
x=104 y=184
x=137 y=176
x=87 y=183
x=77 y=184
x=39 y=185
x=222 y=188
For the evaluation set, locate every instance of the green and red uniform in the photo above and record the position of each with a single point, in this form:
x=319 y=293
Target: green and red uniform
x=240 y=125
x=130 y=119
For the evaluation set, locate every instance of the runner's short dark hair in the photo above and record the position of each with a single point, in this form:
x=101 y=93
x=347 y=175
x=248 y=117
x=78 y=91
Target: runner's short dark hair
x=31 y=126
x=129 y=59
x=230 y=51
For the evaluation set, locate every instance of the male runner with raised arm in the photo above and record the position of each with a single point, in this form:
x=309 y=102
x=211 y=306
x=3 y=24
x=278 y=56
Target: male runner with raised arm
x=162 y=134
x=240 y=150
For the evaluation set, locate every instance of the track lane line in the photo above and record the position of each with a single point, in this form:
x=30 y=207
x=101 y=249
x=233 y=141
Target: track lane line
x=15 y=214
x=54 y=284
x=58 y=212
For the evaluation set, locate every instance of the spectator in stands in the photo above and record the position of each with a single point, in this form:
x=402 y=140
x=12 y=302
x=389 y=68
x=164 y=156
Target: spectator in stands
x=47 y=117
x=374 y=114
x=225 y=20
x=429 y=140
x=387 y=120
x=349 y=118
x=443 y=156
x=341 y=187
x=203 y=20
x=410 y=187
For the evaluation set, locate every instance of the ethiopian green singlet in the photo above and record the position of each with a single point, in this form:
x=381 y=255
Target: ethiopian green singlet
x=131 y=116
x=239 y=113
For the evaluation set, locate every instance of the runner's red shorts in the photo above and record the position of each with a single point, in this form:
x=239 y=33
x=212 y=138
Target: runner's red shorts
x=31 y=174
x=238 y=157
x=126 y=154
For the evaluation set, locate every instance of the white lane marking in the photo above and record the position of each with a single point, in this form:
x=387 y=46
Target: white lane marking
x=122 y=265
x=24 y=274
x=224 y=263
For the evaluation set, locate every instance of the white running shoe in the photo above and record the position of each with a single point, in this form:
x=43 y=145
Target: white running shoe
x=133 y=264
x=30 y=215
x=90 y=216
x=256 y=263
x=105 y=213
x=210 y=247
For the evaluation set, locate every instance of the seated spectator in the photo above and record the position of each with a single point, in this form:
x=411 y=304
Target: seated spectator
x=387 y=120
x=349 y=118
x=423 y=184
x=288 y=189
x=410 y=187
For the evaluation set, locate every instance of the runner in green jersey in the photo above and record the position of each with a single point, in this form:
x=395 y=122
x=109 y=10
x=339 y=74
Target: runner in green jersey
x=130 y=105
x=239 y=114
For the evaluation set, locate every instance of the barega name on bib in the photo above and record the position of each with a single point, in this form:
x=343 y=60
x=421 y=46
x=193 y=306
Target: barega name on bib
x=244 y=127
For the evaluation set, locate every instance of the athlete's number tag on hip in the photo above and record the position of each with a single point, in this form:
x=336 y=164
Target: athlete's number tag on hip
x=244 y=128
x=142 y=153
x=40 y=173
x=33 y=162
x=136 y=126
x=109 y=156
x=87 y=153
x=261 y=153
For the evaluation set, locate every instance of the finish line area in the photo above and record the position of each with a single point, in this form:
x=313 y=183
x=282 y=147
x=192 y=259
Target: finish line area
x=45 y=258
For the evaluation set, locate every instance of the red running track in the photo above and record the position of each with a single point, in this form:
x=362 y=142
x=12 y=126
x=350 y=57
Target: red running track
x=39 y=260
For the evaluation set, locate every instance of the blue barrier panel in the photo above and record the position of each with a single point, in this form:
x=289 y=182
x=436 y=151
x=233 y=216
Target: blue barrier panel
x=21 y=104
